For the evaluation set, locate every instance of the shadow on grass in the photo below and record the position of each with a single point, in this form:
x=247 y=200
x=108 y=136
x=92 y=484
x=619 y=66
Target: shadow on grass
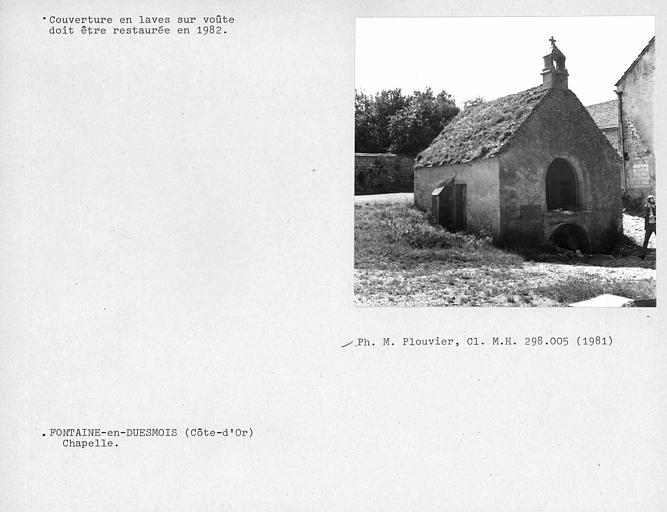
x=625 y=254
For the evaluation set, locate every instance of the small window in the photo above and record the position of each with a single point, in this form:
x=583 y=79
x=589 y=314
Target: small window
x=561 y=186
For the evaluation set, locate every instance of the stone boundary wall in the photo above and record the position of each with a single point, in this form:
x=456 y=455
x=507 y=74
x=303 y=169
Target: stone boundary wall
x=383 y=173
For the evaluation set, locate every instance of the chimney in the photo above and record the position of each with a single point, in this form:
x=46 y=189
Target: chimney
x=554 y=74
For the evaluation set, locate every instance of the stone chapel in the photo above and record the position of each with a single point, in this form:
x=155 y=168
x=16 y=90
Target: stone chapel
x=531 y=168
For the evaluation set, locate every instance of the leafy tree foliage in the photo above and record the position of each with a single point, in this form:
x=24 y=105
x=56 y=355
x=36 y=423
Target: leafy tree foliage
x=415 y=126
x=364 y=125
x=372 y=117
x=391 y=121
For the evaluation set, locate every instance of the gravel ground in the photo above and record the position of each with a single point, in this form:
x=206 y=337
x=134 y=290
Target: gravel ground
x=633 y=227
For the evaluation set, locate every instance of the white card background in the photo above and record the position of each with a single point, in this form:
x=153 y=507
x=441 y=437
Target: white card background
x=177 y=251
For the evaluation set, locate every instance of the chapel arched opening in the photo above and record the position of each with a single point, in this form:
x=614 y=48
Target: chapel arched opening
x=562 y=189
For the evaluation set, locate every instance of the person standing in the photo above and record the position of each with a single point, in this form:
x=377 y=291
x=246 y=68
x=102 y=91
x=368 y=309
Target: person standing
x=649 y=222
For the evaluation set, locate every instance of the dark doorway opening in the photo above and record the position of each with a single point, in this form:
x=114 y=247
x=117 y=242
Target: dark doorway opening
x=571 y=237
x=561 y=186
x=460 y=221
x=449 y=206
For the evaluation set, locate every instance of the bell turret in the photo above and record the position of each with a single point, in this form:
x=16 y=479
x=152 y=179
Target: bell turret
x=554 y=73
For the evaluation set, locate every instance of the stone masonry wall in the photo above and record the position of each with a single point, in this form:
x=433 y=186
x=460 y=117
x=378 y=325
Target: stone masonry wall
x=639 y=168
x=637 y=115
x=481 y=180
x=382 y=173
x=561 y=128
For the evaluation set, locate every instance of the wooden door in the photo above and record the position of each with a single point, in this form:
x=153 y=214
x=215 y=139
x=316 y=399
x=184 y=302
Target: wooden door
x=460 y=220
x=446 y=210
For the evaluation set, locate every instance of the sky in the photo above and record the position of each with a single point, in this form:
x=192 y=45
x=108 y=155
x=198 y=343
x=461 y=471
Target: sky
x=493 y=57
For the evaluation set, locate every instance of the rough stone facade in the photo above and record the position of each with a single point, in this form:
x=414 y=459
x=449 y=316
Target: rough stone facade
x=382 y=173
x=552 y=177
x=635 y=92
x=561 y=128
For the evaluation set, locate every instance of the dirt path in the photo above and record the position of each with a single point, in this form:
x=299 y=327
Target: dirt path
x=557 y=271
x=399 y=197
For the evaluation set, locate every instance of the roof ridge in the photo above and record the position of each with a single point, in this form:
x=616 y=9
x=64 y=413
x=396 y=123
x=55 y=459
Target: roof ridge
x=508 y=95
x=484 y=130
x=601 y=103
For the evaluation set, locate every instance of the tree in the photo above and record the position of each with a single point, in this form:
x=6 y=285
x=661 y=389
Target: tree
x=363 y=124
x=390 y=121
x=414 y=127
x=372 y=117
x=386 y=104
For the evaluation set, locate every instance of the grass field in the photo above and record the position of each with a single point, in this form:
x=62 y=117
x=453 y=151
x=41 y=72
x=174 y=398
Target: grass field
x=402 y=259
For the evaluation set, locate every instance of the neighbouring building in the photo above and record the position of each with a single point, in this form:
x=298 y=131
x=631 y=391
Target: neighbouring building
x=605 y=115
x=530 y=168
x=382 y=173
x=635 y=100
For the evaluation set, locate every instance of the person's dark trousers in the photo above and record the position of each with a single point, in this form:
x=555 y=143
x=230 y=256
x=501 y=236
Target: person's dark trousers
x=650 y=229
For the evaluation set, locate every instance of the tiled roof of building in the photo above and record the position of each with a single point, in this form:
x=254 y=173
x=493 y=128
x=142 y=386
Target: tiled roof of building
x=482 y=131
x=604 y=114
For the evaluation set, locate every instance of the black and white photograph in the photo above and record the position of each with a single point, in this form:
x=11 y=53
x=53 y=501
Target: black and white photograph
x=204 y=309
x=505 y=162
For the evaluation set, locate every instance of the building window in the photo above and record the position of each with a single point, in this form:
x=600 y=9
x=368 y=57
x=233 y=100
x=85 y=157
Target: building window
x=561 y=186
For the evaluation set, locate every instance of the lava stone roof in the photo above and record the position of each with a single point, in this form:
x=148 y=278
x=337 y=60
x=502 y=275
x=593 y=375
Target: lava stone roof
x=482 y=131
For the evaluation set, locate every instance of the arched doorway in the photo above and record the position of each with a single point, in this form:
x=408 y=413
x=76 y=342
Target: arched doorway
x=562 y=190
x=571 y=237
